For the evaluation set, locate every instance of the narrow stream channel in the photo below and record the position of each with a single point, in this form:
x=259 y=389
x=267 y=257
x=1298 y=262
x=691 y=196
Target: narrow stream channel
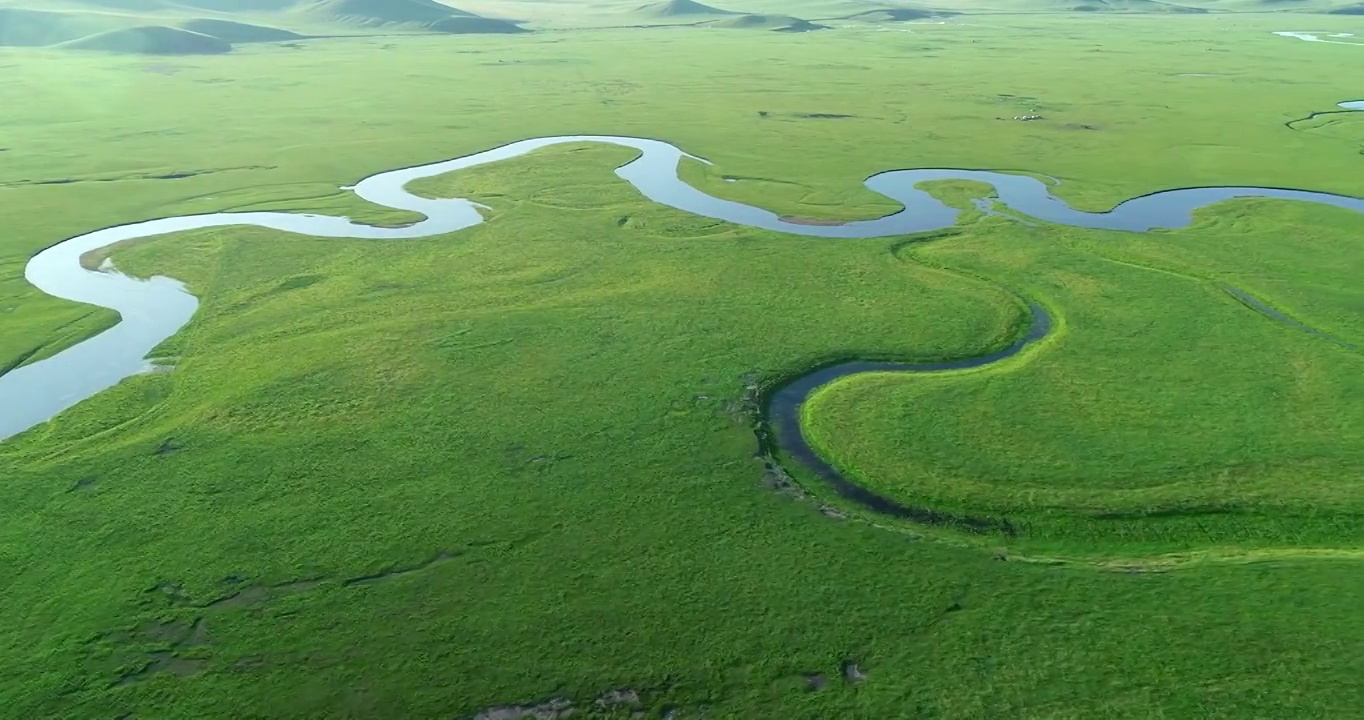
x=153 y=310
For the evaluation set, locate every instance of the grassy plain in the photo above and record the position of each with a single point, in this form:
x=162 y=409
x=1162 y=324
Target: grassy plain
x=424 y=478
x=1164 y=416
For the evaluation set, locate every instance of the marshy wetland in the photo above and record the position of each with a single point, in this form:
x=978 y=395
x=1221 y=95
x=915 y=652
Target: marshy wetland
x=762 y=417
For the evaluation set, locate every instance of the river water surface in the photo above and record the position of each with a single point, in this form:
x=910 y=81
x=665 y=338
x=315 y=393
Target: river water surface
x=1339 y=38
x=152 y=310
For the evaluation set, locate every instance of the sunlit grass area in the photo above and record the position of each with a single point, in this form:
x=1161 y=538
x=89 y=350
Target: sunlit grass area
x=515 y=465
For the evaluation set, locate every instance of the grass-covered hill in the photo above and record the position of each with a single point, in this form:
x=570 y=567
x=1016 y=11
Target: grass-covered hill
x=472 y=24
x=893 y=14
x=84 y=23
x=236 y=32
x=20 y=27
x=402 y=14
x=695 y=13
x=151 y=40
x=379 y=12
x=778 y=23
x=52 y=22
x=1125 y=6
x=674 y=8
x=137 y=34
x=233 y=5
x=1154 y=7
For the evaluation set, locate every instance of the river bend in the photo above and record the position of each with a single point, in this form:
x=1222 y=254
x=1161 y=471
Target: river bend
x=152 y=310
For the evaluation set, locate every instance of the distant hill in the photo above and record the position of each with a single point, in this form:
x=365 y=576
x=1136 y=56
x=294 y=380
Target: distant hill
x=673 y=8
x=129 y=5
x=413 y=14
x=237 y=5
x=225 y=6
x=235 y=32
x=895 y=15
x=1120 y=6
x=151 y=40
x=948 y=8
x=31 y=28
x=778 y=23
x=242 y=21
x=1348 y=10
x=461 y=24
x=381 y=12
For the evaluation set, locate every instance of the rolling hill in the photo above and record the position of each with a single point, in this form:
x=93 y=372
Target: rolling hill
x=232 y=21
x=229 y=6
x=20 y=27
x=898 y=14
x=675 y=8
x=1133 y=6
x=128 y=5
x=381 y=12
x=1152 y=7
x=464 y=24
x=236 y=32
x=151 y=40
x=410 y=14
x=777 y=23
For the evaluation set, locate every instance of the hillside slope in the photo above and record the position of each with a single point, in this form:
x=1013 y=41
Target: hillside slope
x=469 y=24
x=151 y=40
x=675 y=8
x=236 y=32
x=778 y=23
x=22 y=27
x=373 y=13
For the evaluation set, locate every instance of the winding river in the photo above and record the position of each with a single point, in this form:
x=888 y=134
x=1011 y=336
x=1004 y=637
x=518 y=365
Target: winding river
x=783 y=410
x=1338 y=38
x=152 y=310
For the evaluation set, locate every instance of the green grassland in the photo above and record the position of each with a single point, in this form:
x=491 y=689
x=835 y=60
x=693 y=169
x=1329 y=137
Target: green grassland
x=1162 y=417
x=1339 y=127
x=516 y=463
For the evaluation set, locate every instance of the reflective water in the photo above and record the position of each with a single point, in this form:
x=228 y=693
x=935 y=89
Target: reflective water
x=154 y=309
x=783 y=409
x=1324 y=37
